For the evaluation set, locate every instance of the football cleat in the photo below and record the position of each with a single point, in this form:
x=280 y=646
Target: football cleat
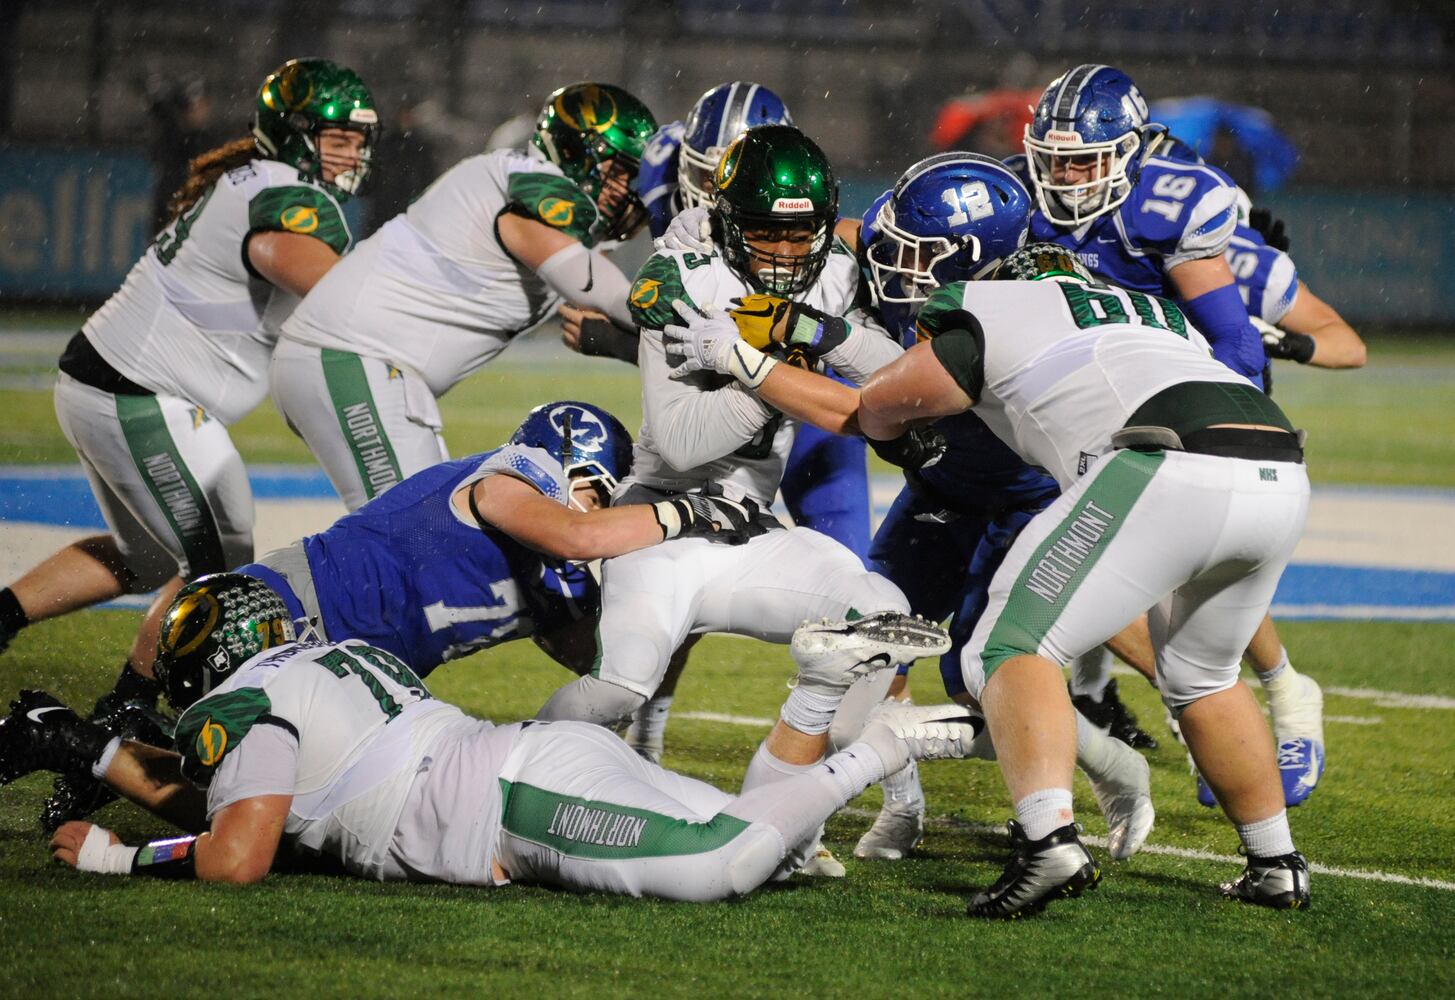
x=77 y=794
x=823 y=864
x=928 y=732
x=1111 y=716
x=1124 y=793
x=41 y=733
x=897 y=830
x=1298 y=729
x=1205 y=795
x=1055 y=867
x=1281 y=883
x=832 y=655
x=1300 y=765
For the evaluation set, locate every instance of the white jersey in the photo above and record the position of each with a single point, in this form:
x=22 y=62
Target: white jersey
x=709 y=429
x=1056 y=368
x=434 y=290
x=384 y=779
x=192 y=319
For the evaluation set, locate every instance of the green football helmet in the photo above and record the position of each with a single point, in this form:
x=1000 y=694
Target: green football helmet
x=215 y=624
x=774 y=177
x=583 y=126
x=299 y=100
x=1035 y=261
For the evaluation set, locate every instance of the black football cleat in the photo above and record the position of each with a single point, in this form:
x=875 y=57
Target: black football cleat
x=1057 y=866
x=41 y=733
x=77 y=793
x=1281 y=883
x=1111 y=715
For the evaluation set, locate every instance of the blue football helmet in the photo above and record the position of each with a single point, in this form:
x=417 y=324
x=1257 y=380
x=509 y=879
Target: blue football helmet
x=1083 y=141
x=951 y=217
x=720 y=116
x=590 y=443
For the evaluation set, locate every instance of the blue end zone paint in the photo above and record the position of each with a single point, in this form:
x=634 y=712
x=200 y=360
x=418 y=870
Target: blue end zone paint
x=61 y=497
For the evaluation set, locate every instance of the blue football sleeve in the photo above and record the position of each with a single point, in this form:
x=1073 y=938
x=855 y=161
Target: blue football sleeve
x=1222 y=318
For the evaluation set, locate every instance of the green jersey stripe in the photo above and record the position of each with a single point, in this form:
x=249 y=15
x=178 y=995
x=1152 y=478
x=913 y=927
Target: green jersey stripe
x=358 y=418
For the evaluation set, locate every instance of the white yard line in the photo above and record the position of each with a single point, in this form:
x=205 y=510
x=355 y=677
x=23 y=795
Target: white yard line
x=1392 y=699
x=1360 y=612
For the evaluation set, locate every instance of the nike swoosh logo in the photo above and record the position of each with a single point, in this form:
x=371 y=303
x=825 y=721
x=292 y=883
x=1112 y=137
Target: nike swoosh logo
x=34 y=715
x=590 y=275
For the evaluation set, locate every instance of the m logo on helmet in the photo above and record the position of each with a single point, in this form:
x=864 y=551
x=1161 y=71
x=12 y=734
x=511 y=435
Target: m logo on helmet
x=556 y=212
x=645 y=292
x=588 y=433
x=211 y=743
x=595 y=109
x=299 y=219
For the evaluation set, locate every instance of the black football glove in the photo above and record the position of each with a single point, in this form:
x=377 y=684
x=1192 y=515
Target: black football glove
x=1286 y=346
x=916 y=448
x=1272 y=230
x=716 y=518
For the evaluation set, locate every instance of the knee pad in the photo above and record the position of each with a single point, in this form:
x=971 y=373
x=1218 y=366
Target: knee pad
x=591 y=699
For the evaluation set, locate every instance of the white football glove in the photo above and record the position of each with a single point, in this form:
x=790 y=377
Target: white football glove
x=690 y=231
x=708 y=341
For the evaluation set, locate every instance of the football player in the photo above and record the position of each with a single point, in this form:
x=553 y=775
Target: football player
x=147 y=389
x=338 y=751
x=472 y=553
x=483 y=255
x=1184 y=492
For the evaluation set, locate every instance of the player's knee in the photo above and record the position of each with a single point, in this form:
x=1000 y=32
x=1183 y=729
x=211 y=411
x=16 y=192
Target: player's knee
x=147 y=570
x=759 y=852
x=879 y=593
x=591 y=699
x=1181 y=682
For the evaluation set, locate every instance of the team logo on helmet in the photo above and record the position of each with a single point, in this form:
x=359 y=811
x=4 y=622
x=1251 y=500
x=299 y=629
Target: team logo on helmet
x=727 y=167
x=192 y=620
x=211 y=743
x=587 y=431
x=293 y=87
x=299 y=219
x=645 y=292
x=596 y=110
x=556 y=212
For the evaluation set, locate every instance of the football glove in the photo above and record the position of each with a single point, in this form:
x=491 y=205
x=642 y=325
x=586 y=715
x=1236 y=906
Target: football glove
x=1272 y=230
x=1285 y=345
x=690 y=231
x=757 y=316
x=708 y=341
x=716 y=518
x=916 y=448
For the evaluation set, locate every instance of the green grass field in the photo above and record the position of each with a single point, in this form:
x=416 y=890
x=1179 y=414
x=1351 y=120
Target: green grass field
x=1385 y=808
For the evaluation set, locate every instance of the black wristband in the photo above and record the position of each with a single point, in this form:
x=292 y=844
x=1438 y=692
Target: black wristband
x=1300 y=347
x=601 y=338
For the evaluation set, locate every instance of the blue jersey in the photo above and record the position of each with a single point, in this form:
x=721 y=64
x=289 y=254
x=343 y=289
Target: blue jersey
x=409 y=573
x=657 y=178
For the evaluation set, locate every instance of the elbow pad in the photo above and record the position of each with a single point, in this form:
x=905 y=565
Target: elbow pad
x=1223 y=319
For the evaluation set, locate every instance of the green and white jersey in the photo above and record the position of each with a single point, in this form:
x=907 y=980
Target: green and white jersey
x=347 y=730
x=708 y=428
x=1057 y=367
x=434 y=290
x=193 y=319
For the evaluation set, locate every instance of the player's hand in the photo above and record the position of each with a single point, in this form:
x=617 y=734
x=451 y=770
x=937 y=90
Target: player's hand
x=690 y=231
x=1272 y=230
x=67 y=841
x=571 y=321
x=762 y=320
x=916 y=448
x=1283 y=345
x=702 y=342
x=716 y=518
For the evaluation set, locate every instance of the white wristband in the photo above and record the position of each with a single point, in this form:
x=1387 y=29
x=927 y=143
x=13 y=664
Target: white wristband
x=98 y=769
x=99 y=854
x=749 y=365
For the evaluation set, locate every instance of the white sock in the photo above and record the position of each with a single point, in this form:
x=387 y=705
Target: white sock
x=1090 y=673
x=852 y=770
x=765 y=769
x=1094 y=752
x=902 y=790
x=649 y=723
x=1280 y=676
x=810 y=711
x=1267 y=838
x=1041 y=812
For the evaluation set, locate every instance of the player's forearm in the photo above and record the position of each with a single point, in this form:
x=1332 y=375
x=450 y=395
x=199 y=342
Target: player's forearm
x=692 y=426
x=152 y=778
x=598 y=534
x=1336 y=344
x=811 y=398
x=588 y=281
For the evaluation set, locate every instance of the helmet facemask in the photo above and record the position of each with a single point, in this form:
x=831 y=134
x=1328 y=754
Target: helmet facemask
x=906 y=268
x=1072 y=203
x=743 y=240
x=694 y=175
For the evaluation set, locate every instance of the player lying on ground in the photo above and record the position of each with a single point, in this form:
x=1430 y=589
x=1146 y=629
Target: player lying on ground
x=149 y=386
x=1184 y=494
x=339 y=751
x=469 y=554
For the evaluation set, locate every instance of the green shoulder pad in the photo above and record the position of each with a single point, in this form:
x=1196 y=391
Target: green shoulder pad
x=657 y=284
x=943 y=301
x=300 y=209
x=555 y=201
x=211 y=728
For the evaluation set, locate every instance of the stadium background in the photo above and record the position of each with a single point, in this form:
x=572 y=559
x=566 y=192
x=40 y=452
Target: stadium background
x=1361 y=89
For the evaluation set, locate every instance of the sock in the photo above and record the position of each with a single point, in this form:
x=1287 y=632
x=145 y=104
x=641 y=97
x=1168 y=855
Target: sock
x=649 y=723
x=765 y=769
x=1090 y=674
x=1279 y=676
x=902 y=790
x=1094 y=751
x=12 y=616
x=1041 y=812
x=809 y=711
x=851 y=770
x=1267 y=838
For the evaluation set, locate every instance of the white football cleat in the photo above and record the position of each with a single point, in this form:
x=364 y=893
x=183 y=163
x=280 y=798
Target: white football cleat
x=832 y=655
x=897 y=830
x=927 y=732
x=822 y=864
x=1124 y=793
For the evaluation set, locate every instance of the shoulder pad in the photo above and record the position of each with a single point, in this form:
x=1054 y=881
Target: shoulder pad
x=659 y=282
x=302 y=209
x=209 y=730
x=943 y=301
x=553 y=200
x=532 y=465
x=1181 y=211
